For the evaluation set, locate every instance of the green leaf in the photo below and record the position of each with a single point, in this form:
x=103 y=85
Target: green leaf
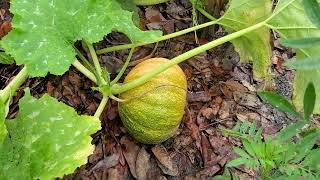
x=253 y=47
x=312 y=159
x=5 y=58
x=312 y=9
x=278 y=102
x=304 y=145
x=241 y=152
x=45 y=30
x=47 y=139
x=309 y=101
x=252 y=129
x=290 y=20
x=248 y=147
x=290 y=131
x=309 y=64
x=129 y=5
x=237 y=162
x=302 y=43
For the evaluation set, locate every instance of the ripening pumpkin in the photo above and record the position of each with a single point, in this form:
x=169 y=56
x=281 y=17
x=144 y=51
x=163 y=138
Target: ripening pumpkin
x=153 y=111
x=148 y=2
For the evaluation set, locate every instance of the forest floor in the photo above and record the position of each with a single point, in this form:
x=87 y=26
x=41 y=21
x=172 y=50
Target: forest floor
x=221 y=92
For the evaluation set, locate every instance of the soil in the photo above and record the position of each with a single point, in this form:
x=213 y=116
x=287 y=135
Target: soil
x=221 y=92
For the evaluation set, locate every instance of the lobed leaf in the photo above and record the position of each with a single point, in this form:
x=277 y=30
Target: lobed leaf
x=290 y=131
x=45 y=30
x=253 y=47
x=304 y=145
x=290 y=20
x=47 y=139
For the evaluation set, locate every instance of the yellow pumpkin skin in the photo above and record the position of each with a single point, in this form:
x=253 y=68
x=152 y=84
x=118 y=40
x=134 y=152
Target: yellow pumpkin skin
x=148 y=2
x=154 y=110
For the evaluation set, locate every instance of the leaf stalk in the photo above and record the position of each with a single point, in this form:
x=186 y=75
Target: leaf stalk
x=162 y=38
x=16 y=82
x=117 y=89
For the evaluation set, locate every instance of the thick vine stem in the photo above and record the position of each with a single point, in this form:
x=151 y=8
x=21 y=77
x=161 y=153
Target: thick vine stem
x=162 y=38
x=16 y=82
x=117 y=89
x=101 y=107
x=124 y=67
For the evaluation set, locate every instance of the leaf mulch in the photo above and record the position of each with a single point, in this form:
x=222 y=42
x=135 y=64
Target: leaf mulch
x=221 y=92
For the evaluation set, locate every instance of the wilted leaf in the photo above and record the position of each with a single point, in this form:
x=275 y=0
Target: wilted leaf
x=253 y=47
x=47 y=139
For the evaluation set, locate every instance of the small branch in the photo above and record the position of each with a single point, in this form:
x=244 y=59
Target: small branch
x=85 y=71
x=101 y=107
x=16 y=82
x=124 y=67
x=162 y=38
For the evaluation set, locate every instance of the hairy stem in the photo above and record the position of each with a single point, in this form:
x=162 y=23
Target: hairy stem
x=101 y=107
x=117 y=89
x=162 y=38
x=96 y=63
x=85 y=71
x=124 y=67
x=16 y=82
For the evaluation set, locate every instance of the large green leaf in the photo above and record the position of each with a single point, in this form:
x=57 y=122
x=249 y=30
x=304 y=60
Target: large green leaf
x=255 y=46
x=291 y=22
x=44 y=30
x=46 y=140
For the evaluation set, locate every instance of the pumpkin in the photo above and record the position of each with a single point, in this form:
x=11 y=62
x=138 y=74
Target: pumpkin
x=153 y=111
x=148 y=2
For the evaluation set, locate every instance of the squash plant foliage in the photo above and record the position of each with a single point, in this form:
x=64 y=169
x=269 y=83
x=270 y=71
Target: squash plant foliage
x=48 y=139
